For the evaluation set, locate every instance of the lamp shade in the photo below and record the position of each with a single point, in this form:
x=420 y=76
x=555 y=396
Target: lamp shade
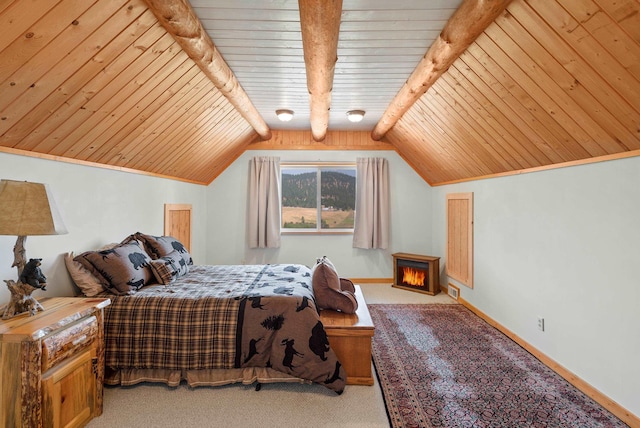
x=28 y=209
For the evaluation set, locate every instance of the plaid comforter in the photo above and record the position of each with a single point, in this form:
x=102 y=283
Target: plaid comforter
x=222 y=317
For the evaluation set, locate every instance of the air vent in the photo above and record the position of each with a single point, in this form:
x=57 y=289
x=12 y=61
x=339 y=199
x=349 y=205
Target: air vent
x=453 y=291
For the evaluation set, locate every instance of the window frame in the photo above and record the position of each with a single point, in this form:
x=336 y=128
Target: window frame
x=318 y=166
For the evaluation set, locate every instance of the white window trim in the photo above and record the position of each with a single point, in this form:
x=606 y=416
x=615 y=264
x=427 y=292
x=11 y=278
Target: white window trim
x=317 y=230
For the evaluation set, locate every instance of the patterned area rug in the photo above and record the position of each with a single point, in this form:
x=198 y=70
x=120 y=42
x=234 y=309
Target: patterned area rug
x=443 y=366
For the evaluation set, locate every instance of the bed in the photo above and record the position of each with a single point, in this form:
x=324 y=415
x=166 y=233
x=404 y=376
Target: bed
x=212 y=324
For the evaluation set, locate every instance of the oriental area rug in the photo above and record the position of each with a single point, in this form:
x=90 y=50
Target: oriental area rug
x=443 y=366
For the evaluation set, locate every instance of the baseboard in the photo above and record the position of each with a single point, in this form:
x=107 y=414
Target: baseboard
x=622 y=413
x=372 y=280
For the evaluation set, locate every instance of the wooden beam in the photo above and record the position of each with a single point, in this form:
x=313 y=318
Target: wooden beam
x=180 y=20
x=462 y=29
x=320 y=24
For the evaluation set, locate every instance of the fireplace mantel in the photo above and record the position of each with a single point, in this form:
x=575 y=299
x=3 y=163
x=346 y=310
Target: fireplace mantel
x=429 y=265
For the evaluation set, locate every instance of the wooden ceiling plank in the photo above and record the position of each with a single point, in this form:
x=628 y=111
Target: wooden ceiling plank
x=581 y=70
x=38 y=35
x=205 y=114
x=578 y=143
x=589 y=133
x=129 y=115
x=29 y=77
x=504 y=127
x=626 y=14
x=65 y=117
x=320 y=24
x=478 y=119
x=487 y=84
x=16 y=19
x=98 y=107
x=56 y=100
x=622 y=137
x=427 y=157
x=422 y=117
x=102 y=37
x=211 y=154
x=83 y=137
x=470 y=20
x=181 y=22
x=102 y=135
x=460 y=142
x=205 y=154
x=128 y=138
x=610 y=35
x=590 y=49
x=466 y=129
x=554 y=136
x=197 y=101
x=161 y=122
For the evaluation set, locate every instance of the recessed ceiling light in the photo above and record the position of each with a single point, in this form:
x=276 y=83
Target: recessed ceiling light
x=284 y=115
x=355 y=115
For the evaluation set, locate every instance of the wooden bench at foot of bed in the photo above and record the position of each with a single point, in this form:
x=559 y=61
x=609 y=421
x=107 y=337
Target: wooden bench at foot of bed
x=350 y=338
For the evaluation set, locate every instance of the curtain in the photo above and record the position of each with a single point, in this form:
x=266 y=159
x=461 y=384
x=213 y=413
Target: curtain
x=372 y=203
x=264 y=202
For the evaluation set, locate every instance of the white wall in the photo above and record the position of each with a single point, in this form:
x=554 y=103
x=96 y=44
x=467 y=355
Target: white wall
x=98 y=206
x=563 y=244
x=410 y=220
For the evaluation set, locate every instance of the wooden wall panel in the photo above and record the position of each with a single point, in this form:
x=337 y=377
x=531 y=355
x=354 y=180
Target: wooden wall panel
x=334 y=140
x=460 y=237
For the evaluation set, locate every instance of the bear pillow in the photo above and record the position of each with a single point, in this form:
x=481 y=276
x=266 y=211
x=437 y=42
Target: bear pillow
x=331 y=291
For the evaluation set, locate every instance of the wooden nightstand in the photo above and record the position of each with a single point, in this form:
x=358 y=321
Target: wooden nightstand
x=52 y=364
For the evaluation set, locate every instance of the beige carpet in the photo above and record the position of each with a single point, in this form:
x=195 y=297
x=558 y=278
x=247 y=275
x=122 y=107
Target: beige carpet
x=149 y=405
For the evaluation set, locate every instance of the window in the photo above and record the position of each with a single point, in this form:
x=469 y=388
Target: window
x=318 y=197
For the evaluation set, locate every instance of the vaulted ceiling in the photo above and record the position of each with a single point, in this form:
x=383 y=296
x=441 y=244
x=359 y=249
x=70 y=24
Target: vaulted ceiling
x=167 y=88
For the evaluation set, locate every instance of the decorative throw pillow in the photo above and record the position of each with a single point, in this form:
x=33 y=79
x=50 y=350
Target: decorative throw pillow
x=328 y=288
x=160 y=246
x=123 y=269
x=83 y=278
x=166 y=269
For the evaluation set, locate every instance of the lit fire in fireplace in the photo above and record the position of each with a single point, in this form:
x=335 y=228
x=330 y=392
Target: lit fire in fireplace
x=414 y=277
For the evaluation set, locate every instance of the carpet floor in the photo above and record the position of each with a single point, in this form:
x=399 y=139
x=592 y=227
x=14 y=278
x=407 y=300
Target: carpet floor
x=443 y=366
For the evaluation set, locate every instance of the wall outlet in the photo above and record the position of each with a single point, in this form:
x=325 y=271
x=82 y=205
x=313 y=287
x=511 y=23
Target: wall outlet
x=540 y=323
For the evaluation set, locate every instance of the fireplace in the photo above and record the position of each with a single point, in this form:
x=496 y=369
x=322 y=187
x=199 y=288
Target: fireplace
x=416 y=272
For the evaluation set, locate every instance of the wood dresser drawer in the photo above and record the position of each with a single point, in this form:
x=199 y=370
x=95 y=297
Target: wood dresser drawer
x=61 y=345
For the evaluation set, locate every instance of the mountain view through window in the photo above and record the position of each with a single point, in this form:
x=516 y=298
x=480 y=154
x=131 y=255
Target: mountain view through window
x=323 y=196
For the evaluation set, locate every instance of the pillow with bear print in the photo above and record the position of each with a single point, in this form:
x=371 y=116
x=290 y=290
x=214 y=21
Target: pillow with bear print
x=123 y=269
x=160 y=246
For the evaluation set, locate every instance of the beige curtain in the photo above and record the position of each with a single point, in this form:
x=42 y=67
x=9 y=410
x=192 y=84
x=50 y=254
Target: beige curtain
x=372 y=204
x=264 y=202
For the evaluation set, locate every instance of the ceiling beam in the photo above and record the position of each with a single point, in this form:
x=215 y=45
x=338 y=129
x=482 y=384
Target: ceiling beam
x=180 y=20
x=320 y=24
x=462 y=29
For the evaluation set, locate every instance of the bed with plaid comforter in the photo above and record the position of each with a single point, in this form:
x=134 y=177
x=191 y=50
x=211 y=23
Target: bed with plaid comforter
x=221 y=318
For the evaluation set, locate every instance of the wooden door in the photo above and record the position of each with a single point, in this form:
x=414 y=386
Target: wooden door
x=177 y=223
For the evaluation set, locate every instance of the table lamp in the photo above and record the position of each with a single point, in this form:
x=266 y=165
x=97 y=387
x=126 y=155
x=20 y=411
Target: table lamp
x=27 y=209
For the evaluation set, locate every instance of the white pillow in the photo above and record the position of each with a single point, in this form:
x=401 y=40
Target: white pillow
x=85 y=280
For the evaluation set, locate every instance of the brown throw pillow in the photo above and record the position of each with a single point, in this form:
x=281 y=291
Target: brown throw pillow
x=82 y=277
x=327 y=288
